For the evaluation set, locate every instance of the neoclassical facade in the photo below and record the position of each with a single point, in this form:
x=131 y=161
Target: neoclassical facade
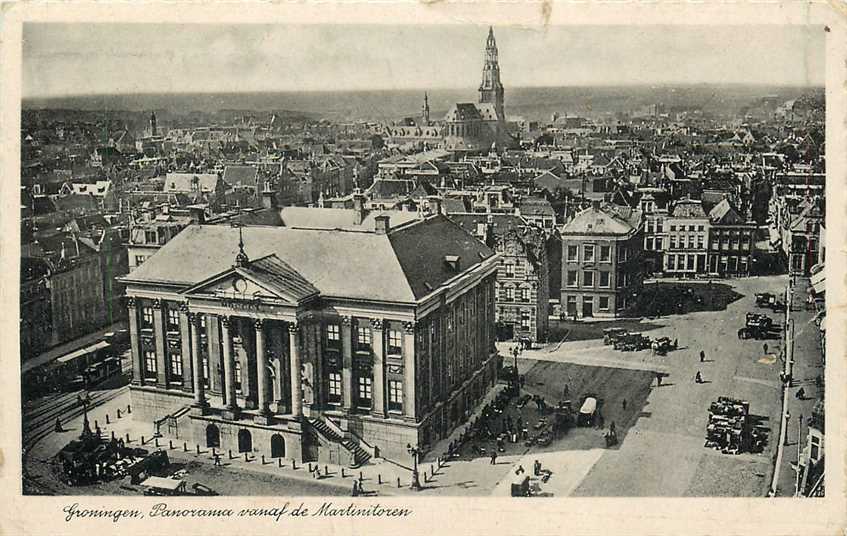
x=321 y=345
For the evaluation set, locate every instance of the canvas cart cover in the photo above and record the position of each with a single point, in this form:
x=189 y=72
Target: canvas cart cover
x=589 y=406
x=171 y=484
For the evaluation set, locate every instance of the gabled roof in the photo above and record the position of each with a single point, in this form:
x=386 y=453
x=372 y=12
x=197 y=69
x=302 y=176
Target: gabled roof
x=463 y=111
x=598 y=220
x=689 y=209
x=725 y=213
x=241 y=175
x=340 y=218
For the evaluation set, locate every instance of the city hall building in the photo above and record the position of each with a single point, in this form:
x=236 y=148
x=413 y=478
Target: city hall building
x=325 y=345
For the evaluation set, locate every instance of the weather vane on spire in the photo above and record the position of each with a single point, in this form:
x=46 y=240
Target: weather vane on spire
x=241 y=259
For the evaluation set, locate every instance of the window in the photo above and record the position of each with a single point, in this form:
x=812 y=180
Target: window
x=510 y=270
x=173 y=319
x=649 y=227
x=363 y=338
x=659 y=226
x=237 y=371
x=334 y=387
x=671 y=262
x=603 y=304
x=605 y=279
x=395 y=342
x=588 y=253
x=691 y=262
x=147 y=316
x=139 y=260
x=395 y=395
x=571 y=305
x=648 y=243
x=150 y=362
x=700 y=228
x=605 y=253
x=525 y=294
x=573 y=253
x=673 y=228
x=333 y=334
x=700 y=241
x=510 y=294
x=587 y=279
x=176 y=365
x=673 y=241
x=149 y=237
x=365 y=390
x=572 y=280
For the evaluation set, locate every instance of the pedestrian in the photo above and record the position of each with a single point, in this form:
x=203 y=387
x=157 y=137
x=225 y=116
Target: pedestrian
x=217 y=459
x=536 y=468
x=623 y=404
x=675 y=344
x=565 y=392
x=494 y=457
x=801 y=394
x=520 y=470
x=702 y=356
x=355 y=488
x=612 y=428
x=59 y=425
x=765 y=348
x=698 y=378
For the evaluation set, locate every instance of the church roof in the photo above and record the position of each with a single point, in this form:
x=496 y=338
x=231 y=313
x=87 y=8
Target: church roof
x=463 y=111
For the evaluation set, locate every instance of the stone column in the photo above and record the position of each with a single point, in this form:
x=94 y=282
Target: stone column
x=188 y=368
x=409 y=365
x=378 y=344
x=346 y=363
x=161 y=335
x=213 y=341
x=296 y=388
x=229 y=366
x=261 y=368
x=197 y=362
x=135 y=343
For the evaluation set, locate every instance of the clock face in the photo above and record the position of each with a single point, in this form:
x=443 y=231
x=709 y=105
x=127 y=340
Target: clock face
x=239 y=284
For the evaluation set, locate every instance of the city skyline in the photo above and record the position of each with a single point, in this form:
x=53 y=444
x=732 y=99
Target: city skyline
x=67 y=60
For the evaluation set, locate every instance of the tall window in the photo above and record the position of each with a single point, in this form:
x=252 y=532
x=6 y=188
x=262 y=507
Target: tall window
x=572 y=278
x=603 y=303
x=150 y=362
x=176 y=365
x=605 y=253
x=588 y=253
x=365 y=391
x=525 y=319
x=510 y=294
x=510 y=270
x=173 y=319
x=237 y=371
x=147 y=316
x=604 y=279
x=333 y=334
x=334 y=387
x=363 y=337
x=587 y=279
x=395 y=395
x=395 y=342
x=139 y=260
x=573 y=253
x=525 y=294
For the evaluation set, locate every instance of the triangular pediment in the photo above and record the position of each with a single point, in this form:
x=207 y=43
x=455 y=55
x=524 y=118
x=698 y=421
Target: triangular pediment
x=239 y=285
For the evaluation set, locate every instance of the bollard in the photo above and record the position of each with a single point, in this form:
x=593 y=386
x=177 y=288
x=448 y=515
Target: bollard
x=310 y=467
x=156 y=441
x=107 y=419
x=246 y=459
x=426 y=481
x=360 y=476
x=198 y=449
x=185 y=446
x=119 y=414
x=398 y=481
x=113 y=435
x=342 y=473
x=128 y=408
x=293 y=464
x=326 y=470
x=213 y=451
x=170 y=444
x=379 y=478
x=96 y=424
x=280 y=461
x=263 y=459
x=142 y=440
x=432 y=471
x=229 y=454
x=127 y=437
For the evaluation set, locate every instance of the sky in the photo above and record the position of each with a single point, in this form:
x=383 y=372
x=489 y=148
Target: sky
x=83 y=59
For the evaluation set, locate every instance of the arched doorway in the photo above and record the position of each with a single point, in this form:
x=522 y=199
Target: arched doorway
x=213 y=436
x=245 y=441
x=277 y=446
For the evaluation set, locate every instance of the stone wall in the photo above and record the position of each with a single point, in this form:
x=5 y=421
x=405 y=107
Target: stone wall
x=149 y=405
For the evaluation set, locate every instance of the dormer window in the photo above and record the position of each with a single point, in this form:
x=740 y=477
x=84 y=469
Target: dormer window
x=452 y=262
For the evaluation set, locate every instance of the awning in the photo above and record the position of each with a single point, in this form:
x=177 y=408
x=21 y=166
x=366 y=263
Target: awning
x=818 y=279
x=83 y=351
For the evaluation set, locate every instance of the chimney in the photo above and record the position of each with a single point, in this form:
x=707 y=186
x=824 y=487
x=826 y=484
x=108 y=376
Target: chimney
x=434 y=203
x=358 y=207
x=198 y=214
x=382 y=224
x=268 y=196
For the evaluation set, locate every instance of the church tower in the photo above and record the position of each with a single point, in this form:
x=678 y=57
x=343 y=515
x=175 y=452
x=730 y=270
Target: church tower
x=491 y=89
x=425 y=111
x=153 y=128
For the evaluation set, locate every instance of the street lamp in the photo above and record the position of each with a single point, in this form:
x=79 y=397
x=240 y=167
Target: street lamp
x=414 y=451
x=517 y=376
x=86 y=427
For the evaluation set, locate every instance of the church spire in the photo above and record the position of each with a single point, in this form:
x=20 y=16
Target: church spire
x=425 y=110
x=491 y=88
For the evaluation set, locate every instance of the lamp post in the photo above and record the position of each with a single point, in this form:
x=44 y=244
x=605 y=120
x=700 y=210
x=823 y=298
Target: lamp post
x=86 y=427
x=517 y=376
x=414 y=451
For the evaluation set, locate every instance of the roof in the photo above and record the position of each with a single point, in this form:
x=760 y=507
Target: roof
x=184 y=182
x=279 y=276
x=725 y=213
x=535 y=206
x=688 y=209
x=598 y=220
x=401 y=266
x=503 y=223
x=241 y=175
x=463 y=111
x=340 y=218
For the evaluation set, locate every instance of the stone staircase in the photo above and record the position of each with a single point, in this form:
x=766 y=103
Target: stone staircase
x=332 y=433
